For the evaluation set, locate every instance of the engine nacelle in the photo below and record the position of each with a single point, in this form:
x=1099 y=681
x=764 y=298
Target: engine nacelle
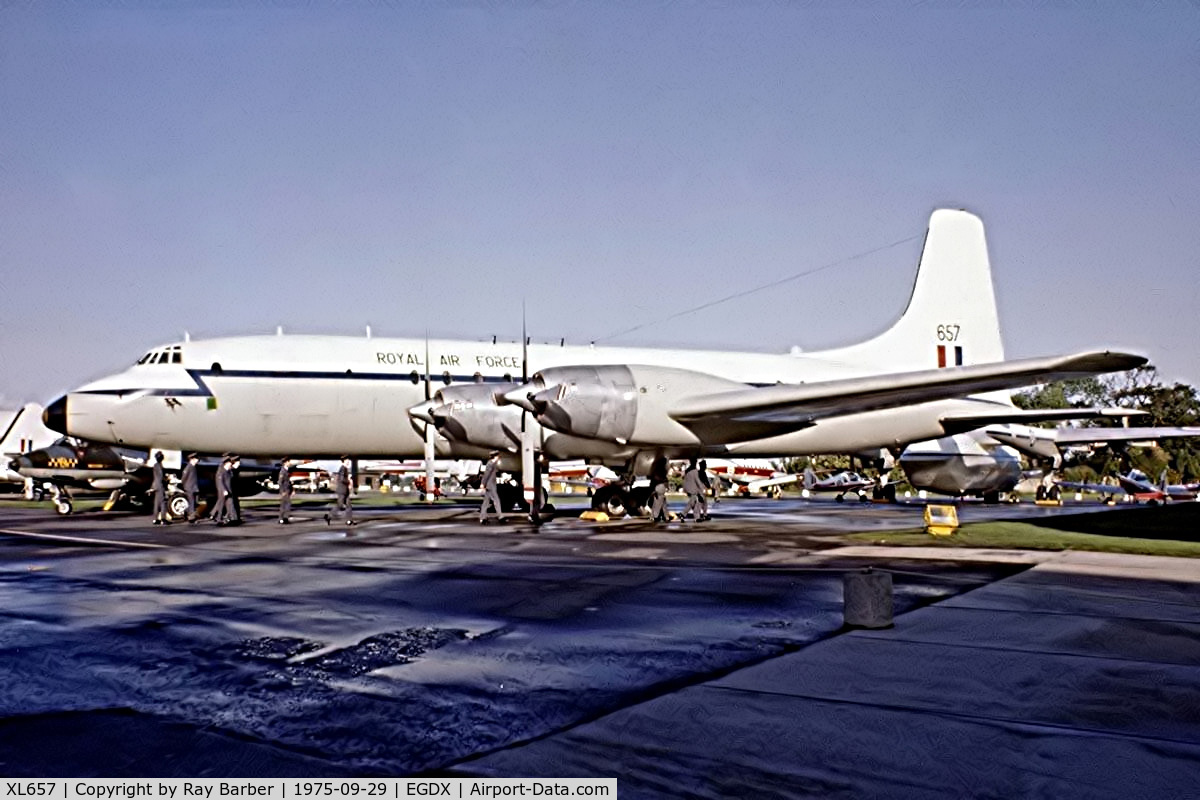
x=591 y=402
x=468 y=414
x=959 y=464
x=617 y=403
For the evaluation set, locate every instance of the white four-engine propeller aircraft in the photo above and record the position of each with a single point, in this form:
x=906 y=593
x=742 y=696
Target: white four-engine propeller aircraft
x=939 y=368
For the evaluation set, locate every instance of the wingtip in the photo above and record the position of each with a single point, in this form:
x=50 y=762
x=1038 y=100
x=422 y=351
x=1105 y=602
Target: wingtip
x=1108 y=361
x=1128 y=360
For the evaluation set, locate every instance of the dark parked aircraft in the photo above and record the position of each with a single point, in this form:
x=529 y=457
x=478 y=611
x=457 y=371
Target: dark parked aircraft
x=73 y=465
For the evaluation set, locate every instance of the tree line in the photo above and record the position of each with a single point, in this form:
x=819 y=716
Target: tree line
x=1138 y=390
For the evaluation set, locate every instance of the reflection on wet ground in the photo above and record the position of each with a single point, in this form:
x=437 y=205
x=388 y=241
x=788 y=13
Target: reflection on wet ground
x=408 y=644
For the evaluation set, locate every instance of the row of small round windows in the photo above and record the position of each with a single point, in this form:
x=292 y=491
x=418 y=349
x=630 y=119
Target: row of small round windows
x=413 y=376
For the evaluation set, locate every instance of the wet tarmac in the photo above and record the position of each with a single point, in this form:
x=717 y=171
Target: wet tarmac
x=420 y=642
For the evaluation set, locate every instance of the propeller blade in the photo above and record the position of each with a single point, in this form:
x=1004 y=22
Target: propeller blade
x=430 y=432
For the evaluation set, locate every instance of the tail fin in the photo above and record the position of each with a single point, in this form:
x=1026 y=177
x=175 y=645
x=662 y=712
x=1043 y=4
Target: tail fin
x=951 y=317
x=25 y=431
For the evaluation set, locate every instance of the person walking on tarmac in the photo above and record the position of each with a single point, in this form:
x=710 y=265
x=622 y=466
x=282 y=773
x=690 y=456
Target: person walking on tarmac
x=658 y=486
x=190 y=484
x=235 y=464
x=223 y=511
x=285 y=492
x=158 y=485
x=694 y=488
x=708 y=487
x=491 y=496
x=341 y=492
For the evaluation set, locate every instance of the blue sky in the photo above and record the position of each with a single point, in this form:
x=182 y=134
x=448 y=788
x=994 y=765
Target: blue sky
x=219 y=170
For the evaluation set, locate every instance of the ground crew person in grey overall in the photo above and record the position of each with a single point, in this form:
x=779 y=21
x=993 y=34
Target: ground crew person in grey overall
x=285 y=492
x=235 y=464
x=491 y=497
x=223 y=509
x=658 y=486
x=158 y=485
x=190 y=485
x=694 y=488
x=341 y=492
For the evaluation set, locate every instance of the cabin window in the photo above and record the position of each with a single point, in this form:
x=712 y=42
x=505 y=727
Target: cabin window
x=177 y=357
x=216 y=367
x=446 y=378
x=508 y=377
x=414 y=377
x=479 y=377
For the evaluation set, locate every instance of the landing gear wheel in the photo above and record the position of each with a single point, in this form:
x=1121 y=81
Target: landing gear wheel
x=638 y=501
x=63 y=507
x=611 y=500
x=991 y=498
x=512 y=497
x=862 y=497
x=177 y=506
x=841 y=498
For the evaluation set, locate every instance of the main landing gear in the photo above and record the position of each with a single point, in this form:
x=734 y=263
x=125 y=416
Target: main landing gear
x=617 y=500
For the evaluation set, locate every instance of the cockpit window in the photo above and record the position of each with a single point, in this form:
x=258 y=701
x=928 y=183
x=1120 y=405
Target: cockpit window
x=163 y=355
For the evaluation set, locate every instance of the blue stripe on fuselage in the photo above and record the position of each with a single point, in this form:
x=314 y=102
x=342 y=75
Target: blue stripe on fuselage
x=201 y=388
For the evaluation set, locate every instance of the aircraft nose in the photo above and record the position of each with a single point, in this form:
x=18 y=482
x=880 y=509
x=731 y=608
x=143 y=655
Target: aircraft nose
x=55 y=415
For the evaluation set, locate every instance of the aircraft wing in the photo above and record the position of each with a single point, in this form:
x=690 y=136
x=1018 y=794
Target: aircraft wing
x=961 y=423
x=766 y=483
x=1050 y=442
x=754 y=413
x=1096 y=488
x=1080 y=436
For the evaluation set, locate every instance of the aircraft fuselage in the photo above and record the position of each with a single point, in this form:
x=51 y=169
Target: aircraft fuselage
x=328 y=395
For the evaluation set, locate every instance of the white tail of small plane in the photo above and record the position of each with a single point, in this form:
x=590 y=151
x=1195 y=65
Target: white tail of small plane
x=22 y=430
x=951 y=318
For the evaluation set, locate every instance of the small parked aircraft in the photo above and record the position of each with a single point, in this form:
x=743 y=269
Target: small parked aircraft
x=1137 y=485
x=842 y=483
